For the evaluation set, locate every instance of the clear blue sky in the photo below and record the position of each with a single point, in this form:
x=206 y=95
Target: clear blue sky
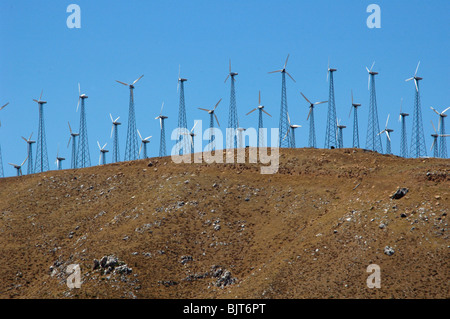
x=121 y=40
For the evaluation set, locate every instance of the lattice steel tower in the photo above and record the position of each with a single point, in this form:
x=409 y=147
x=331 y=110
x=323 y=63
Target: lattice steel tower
x=340 y=135
x=331 y=134
x=115 y=132
x=83 y=157
x=73 y=160
x=162 y=141
x=355 y=122
x=312 y=129
x=41 y=151
x=132 y=146
x=284 y=124
x=183 y=146
x=232 y=116
x=30 y=154
x=260 y=142
x=212 y=115
x=441 y=132
x=1 y=161
x=403 y=138
x=418 y=146
x=373 y=139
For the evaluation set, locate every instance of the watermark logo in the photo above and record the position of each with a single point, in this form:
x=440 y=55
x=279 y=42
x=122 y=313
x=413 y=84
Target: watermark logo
x=374 y=20
x=374 y=280
x=74 y=19
x=74 y=279
x=189 y=142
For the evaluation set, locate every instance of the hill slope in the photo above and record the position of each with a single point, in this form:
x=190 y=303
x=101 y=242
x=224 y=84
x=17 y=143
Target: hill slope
x=227 y=231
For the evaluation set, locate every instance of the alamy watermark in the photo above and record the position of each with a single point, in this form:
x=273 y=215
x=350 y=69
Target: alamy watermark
x=374 y=19
x=74 y=19
x=74 y=279
x=374 y=280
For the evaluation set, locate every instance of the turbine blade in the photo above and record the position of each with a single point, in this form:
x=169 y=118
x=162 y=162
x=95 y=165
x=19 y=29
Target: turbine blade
x=251 y=111
x=266 y=112
x=387 y=120
x=24 y=139
x=305 y=98
x=434 y=140
x=352 y=96
x=139 y=134
x=99 y=145
x=435 y=111
x=203 y=109
x=216 y=119
x=351 y=107
x=290 y=76
x=70 y=129
x=40 y=97
x=217 y=105
x=1 y=108
x=275 y=71
x=317 y=103
x=417 y=68
x=415 y=83
x=137 y=80
x=68 y=143
x=78 y=104
x=226 y=78
x=259 y=98
x=445 y=110
x=289 y=120
x=195 y=124
x=434 y=128
x=372 y=65
x=409 y=79
x=112 y=128
x=160 y=112
x=309 y=113
x=387 y=134
x=122 y=83
x=285 y=63
x=112 y=120
x=140 y=148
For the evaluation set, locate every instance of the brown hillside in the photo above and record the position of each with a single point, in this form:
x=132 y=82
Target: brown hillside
x=227 y=231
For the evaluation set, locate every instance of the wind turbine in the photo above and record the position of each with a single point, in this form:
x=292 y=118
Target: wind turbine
x=83 y=156
x=1 y=162
x=442 y=141
x=30 y=153
x=418 y=147
x=191 y=135
x=232 y=116
x=131 y=150
x=355 y=122
x=41 y=153
x=373 y=140
x=284 y=125
x=212 y=115
x=182 y=122
x=435 y=141
x=103 y=151
x=312 y=130
x=260 y=108
x=59 y=160
x=162 y=141
x=403 y=142
x=74 y=147
x=331 y=133
x=388 y=136
x=291 y=129
x=18 y=167
x=144 y=142
x=115 y=131
x=340 y=134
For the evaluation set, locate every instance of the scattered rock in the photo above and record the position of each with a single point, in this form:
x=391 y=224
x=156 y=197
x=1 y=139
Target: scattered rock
x=389 y=251
x=185 y=259
x=400 y=193
x=402 y=215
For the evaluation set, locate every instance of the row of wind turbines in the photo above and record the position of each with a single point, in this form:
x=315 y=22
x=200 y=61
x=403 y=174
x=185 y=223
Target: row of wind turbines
x=80 y=152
